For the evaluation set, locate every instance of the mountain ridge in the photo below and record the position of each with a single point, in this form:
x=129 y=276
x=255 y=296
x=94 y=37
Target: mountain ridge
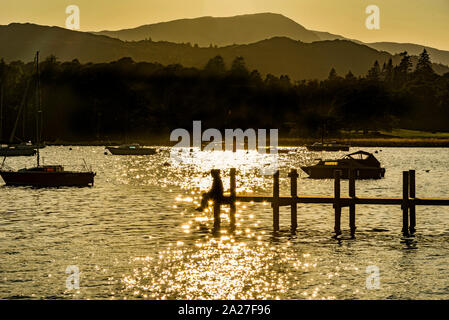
x=277 y=55
x=302 y=33
x=220 y=31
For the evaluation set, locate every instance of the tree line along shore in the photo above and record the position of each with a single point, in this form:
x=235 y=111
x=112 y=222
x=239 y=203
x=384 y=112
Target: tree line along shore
x=126 y=100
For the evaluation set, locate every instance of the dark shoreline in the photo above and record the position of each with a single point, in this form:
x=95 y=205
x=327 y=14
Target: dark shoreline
x=288 y=142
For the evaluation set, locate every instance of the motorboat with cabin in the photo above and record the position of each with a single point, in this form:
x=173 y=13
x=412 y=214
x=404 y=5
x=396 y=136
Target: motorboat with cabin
x=363 y=164
x=131 y=149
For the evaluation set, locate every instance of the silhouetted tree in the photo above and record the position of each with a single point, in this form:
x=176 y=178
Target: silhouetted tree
x=215 y=65
x=271 y=80
x=424 y=65
x=333 y=75
x=406 y=63
x=350 y=76
x=387 y=71
x=374 y=72
x=239 y=67
x=2 y=68
x=402 y=71
x=284 y=81
x=52 y=59
x=256 y=77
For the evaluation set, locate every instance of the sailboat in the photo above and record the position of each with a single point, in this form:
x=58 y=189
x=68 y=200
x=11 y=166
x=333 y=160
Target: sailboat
x=133 y=149
x=45 y=175
x=11 y=149
x=326 y=146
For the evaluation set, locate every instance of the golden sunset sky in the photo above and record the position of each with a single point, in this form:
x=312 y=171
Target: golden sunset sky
x=415 y=21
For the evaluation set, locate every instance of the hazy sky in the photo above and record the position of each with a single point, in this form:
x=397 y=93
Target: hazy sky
x=417 y=21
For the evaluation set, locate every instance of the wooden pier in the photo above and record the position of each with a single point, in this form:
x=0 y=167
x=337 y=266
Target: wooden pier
x=408 y=201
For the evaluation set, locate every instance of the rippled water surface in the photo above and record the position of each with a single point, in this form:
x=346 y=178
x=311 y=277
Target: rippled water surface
x=136 y=235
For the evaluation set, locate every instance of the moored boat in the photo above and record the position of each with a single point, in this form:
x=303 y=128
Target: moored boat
x=131 y=149
x=18 y=150
x=363 y=164
x=327 y=146
x=44 y=175
x=48 y=176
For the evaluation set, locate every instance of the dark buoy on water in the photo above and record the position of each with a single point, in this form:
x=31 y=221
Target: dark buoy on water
x=70 y=148
x=105 y=153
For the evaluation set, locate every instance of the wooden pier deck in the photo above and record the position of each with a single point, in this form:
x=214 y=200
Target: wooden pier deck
x=344 y=201
x=408 y=201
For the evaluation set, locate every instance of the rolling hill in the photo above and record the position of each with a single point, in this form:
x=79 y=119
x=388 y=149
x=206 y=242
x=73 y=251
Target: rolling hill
x=20 y=42
x=246 y=29
x=204 y=31
x=439 y=56
x=278 y=55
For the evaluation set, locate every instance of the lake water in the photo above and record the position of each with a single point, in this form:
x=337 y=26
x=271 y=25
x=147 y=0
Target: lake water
x=136 y=235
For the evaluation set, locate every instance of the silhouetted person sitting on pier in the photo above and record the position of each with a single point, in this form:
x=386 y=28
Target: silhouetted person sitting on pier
x=215 y=193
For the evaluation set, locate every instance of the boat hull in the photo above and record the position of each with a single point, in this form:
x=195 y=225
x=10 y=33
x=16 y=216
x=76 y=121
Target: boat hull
x=328 y=172
x=131 y=152
x=328 y=148
x=17 y=152
x=48 y=179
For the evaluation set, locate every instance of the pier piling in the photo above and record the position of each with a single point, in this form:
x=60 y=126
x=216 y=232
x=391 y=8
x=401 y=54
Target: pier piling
x=412 y=208
x=337 y=203
x=405 y=202
x=232 y=198
x=294 y=193
x=275 y=201
x=352 y=226
x=217 y=218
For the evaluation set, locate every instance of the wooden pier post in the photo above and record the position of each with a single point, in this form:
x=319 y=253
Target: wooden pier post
x=405 y=197
x=412 y=191
x=352 y=205
x=217 y=207
x=294 y=193
x=337 y=204
x=233 y=195
x=275 y=203
x=217 y=218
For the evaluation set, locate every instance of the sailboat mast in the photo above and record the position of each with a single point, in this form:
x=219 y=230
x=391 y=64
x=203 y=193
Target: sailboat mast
x=1 y=110
x=38 y=107
x=2 y=81
x=322 y=132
